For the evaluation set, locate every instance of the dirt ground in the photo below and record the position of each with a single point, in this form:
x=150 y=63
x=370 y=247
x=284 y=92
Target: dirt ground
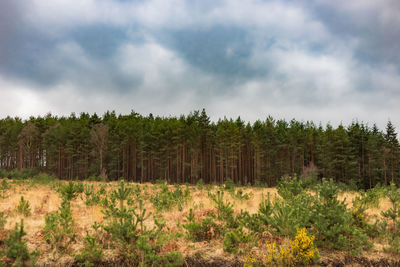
x=44 y=200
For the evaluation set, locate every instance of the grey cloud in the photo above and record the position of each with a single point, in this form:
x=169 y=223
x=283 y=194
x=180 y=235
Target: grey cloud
x=373 y=25
x=308 y=59
x=218 y=50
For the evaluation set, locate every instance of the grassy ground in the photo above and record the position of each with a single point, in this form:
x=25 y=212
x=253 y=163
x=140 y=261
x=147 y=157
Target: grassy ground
x=45 y=199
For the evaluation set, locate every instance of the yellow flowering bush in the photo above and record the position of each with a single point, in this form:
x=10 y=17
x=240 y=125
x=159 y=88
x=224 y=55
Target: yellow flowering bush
x=250 y=262
x=277 y=256
x=301 y=252
x=302 y=248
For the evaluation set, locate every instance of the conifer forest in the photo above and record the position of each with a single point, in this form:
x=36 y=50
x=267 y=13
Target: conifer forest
x=191 y=147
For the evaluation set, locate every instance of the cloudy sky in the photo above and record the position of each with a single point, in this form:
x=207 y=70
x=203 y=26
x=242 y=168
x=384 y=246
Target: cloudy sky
x=320 y=60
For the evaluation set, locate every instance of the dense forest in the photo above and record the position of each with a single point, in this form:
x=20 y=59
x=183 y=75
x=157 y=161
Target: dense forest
x=189 y=148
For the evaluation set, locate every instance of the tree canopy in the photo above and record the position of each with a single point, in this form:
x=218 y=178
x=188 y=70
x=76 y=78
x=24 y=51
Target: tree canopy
x=191 y=147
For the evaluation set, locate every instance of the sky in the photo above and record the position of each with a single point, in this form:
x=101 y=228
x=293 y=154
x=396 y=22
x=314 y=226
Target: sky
x=321 y=60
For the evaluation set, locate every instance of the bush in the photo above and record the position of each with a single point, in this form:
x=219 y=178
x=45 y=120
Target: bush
x=71 y=190
x=43 y=179
x=288 y=215
x=137 y=244
x=302 y=248
x=92 y=253
x=225 y=210
x=283 y=216
x=16 y=247
x=233 y=239
x=24 y=207
x=277 y=256
x=59 y=227
x=204 y=230
x=91 y=196
x=229 y=185
x=167 y=199
x=4 y=186
x=18 y=174
x=3 y=220
x=200 y=184
x=333 y=223
x=289 y=188
x=301 y=252
x=391 y=224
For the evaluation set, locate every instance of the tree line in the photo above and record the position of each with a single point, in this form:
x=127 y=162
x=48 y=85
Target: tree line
x=188 y=148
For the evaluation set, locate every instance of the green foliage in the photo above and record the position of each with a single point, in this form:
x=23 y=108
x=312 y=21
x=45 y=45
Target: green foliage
x=18 y=174
x=149 y=244
x=233 y=239
x=290 y=187
x=225 y=211
x=4 y=186
x=16 y=246
x=24 y=207
x=363 y=201
x=283 y=216
x=203 y=230
x=91 y=147
x=200 y=184
x=92 y=253
x=121 y=194
x=333 y=223
x=123 y=221
x=167 y=199
x=229 y=185
x=91 y=196
x=289 y=215
x=126 y=225
x=3 y=220
x=95 y=178
x=260 y=184
x=391 y=224
x=43 y=179
x=71 y=190
x=59 y=227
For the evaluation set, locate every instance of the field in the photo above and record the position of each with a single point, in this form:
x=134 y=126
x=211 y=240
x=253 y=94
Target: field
x=99 y=223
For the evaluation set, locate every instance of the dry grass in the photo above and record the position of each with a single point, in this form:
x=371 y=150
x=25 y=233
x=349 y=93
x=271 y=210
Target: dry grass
x=44 y=200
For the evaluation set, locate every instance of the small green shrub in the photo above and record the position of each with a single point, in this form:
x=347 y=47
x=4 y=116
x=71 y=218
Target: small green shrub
x=333 y=223
x=200 y=184
x=91 y=196
x=290 y=187
x=390 y=227
x=136 y=244
x=229 y=185
x=71 y=190
x=121 y=194
x=4 y=186
x=225 y=211
x=167 y=199
x=3 y=220
x=203 y=230
x=24 y=207
x=149 y=244
x=43 y=179
x=288 y=215
x=233 y=239
x=94 y=178
x=16 y=247
x=59 y=227
x=238 y=194
x=92 y=253
x=18 y=174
